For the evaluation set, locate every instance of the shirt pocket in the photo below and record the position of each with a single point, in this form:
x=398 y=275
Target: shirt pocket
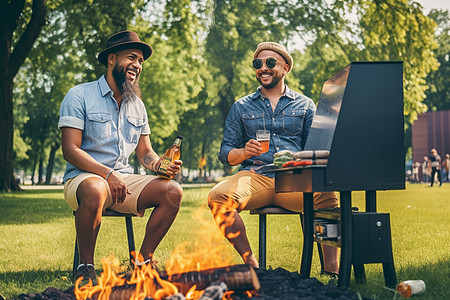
x=293 y=120
x=253 y=122
x=99 y=125
x=136 y=126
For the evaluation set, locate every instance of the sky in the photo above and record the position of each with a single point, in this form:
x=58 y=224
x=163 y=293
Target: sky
x=429 y=4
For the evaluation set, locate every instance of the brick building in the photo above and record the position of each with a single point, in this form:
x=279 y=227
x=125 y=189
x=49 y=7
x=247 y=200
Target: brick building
x=431 y=130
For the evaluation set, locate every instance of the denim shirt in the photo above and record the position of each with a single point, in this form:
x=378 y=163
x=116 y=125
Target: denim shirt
x=110 y=135
x=289 y=125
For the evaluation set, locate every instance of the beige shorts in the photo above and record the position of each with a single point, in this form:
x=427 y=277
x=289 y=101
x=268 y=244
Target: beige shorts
x=134 y=182
x=249 y=190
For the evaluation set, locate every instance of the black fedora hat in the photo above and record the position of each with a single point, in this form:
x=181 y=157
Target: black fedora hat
x=124 y=40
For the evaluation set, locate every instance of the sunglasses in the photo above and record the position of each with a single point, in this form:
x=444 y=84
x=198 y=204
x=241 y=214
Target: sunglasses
x=270 y=63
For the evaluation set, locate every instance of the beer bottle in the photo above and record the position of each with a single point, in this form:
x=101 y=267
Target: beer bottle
x=173 y=153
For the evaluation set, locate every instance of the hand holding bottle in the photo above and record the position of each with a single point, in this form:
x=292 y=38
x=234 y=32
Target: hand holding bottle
x=170 y=163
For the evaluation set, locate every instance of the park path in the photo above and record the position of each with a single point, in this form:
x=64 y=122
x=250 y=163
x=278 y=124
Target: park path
x=60 y=186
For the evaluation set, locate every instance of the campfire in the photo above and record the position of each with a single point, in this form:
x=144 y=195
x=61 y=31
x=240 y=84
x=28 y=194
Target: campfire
x=199 y=269
x=147 y=283
x=194 y=270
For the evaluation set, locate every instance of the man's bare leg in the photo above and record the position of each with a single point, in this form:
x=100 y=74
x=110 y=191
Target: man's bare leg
x=330 y=257
x=165 y=196
x=91 y=195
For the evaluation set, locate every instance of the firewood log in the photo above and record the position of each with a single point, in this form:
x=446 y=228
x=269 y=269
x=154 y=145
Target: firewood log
x=237 y=278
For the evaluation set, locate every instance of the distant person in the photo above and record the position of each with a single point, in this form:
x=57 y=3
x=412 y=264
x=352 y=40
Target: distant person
x=445 y=168
x=425 y=173
x=415 y=172
x=102 y=123
x=251 y=187
x=435 y=166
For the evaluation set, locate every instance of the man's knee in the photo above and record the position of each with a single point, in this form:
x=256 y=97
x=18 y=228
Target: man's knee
x=92 y=192
x=175 y=193
x=220 y=201
x=325 y=200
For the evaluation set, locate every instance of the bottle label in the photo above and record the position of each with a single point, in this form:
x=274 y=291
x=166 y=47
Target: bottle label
x=164 y=164
x=417 y=286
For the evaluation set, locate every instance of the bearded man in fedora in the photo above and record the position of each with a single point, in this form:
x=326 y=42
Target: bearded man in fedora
x=102 y=123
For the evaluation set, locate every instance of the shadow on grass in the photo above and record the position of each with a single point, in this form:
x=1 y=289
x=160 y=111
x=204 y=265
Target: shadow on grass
x=33 y=207
x=12 y=284
x=44 y=206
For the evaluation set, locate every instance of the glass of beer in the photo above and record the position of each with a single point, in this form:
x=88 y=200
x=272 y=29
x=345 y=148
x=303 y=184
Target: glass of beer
x=263 y=137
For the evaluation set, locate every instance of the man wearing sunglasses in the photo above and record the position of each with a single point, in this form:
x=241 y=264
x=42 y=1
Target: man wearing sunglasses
x=288 y=116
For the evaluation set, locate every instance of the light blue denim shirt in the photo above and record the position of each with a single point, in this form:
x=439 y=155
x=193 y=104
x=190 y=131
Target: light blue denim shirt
x=289 y=126
x=110 y=135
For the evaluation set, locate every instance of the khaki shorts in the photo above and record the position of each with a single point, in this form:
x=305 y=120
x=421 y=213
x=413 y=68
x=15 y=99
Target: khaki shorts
x=134 y=182
x=248 y=190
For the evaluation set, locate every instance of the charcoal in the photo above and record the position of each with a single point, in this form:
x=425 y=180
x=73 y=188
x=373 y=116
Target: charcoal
x=50 y=293
x=276 y=284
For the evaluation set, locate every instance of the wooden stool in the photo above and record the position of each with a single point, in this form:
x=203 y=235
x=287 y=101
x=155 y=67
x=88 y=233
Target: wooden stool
x=130 y=235
x=275 y=210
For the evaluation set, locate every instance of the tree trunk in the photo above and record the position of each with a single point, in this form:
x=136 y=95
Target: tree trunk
x=33 y=169
x=10 y=63
x=51 y=163
x=7 y=182
x=41 y=168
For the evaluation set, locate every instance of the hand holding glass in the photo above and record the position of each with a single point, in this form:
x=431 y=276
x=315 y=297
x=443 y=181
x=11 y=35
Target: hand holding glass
x=263 y=137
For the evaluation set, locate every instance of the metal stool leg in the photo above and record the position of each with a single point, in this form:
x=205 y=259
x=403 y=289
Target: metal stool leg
x=262 y=241
x=130 y=236
x=360 y=273
x=76 y=258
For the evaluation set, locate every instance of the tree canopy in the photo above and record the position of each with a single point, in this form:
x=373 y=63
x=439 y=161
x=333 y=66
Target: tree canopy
x=201 y=62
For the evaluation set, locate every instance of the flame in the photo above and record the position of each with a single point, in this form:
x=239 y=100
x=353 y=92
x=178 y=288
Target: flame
x=222 y=213
x=193 y=294
x=145 y=278
x=208 y=250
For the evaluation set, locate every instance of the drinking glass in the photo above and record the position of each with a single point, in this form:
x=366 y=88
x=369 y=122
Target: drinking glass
x=263 y=137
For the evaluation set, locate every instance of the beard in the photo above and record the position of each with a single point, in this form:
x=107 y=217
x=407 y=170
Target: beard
x=127 y=89
x=271 y=84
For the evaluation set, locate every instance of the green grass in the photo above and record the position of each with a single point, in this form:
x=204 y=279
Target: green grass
x=37 y=237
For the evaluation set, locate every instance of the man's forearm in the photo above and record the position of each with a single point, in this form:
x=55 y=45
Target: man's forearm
x=150 y=161
x=84 y=162
x=236 y=156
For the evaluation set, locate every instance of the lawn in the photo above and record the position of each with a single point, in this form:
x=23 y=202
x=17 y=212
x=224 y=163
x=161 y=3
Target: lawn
x=37 y=237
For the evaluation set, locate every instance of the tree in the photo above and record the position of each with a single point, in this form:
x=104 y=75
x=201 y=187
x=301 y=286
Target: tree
x=236 y=29
x=385 y=30
x=438 y=95
x=171 y=79
x=396 y=30
x=202 y=57
x=64 y=55
x=20 y=25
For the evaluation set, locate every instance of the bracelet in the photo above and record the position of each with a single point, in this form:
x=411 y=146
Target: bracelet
x=107 y=176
